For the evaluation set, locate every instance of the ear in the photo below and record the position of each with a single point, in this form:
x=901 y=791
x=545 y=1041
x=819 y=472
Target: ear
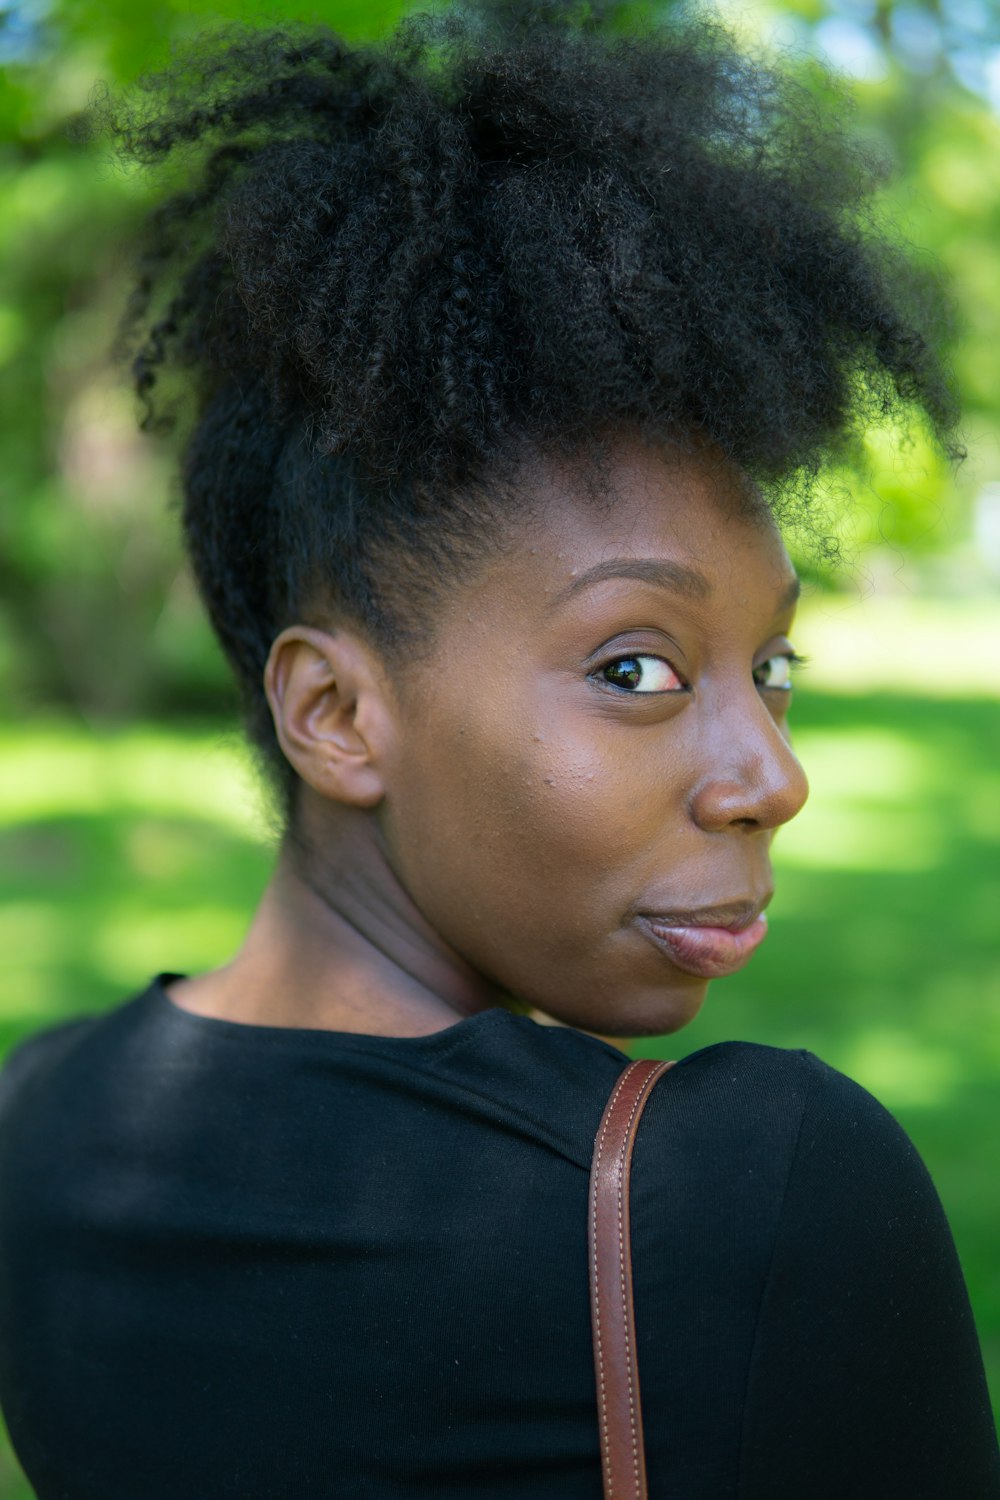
x=331 y=705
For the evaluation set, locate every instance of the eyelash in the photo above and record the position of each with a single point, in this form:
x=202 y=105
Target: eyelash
x=795 y=661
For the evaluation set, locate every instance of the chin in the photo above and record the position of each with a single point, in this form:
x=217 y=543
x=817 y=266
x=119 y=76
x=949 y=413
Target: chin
x=658 y=1012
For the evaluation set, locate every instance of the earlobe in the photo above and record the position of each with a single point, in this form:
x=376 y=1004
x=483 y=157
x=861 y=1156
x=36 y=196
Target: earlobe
x=327 y=700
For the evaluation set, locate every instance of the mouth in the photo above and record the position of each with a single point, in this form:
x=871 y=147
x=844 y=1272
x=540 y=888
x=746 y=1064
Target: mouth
x=711 y=941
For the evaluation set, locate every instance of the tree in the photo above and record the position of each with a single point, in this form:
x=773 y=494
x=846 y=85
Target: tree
x=89 y=557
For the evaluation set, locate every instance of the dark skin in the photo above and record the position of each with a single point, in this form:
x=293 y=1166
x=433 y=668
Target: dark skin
x=488 y=826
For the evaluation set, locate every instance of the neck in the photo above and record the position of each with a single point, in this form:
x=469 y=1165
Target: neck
x=337 y=944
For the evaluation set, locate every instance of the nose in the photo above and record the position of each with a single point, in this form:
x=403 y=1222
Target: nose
x=751 y=777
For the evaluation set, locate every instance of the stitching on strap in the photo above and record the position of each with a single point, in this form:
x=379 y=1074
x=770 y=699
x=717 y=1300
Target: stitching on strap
x=621 y=1267
x=597 y=1299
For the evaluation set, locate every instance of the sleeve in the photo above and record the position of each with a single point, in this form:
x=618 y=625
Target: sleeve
x=866 y=1378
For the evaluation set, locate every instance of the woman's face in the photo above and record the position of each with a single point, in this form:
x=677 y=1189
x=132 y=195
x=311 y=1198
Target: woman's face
x=597 y=753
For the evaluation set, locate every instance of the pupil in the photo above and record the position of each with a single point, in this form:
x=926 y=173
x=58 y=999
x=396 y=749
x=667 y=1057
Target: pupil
x=625 y=673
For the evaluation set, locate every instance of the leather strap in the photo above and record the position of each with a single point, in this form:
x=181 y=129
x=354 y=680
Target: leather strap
x=612 y=1315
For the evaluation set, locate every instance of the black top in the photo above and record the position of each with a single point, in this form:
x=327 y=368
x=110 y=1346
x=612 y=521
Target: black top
x=270 y=1263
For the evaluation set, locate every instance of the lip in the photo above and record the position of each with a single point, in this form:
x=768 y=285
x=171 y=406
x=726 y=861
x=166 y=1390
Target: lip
x=710 y=942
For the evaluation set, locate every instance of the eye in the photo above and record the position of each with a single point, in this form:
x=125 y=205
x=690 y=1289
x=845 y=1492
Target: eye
x=776 y=672
x=642 y=674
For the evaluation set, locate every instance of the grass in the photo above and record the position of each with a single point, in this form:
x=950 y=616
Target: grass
x=128 y=853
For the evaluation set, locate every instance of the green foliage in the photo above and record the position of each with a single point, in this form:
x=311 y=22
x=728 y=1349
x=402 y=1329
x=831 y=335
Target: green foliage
x=96 y=609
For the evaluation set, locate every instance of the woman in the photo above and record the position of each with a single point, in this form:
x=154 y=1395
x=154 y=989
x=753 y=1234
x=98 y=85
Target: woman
x=506 y=343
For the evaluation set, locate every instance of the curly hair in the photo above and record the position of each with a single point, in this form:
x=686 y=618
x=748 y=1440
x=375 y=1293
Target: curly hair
x=392 y=268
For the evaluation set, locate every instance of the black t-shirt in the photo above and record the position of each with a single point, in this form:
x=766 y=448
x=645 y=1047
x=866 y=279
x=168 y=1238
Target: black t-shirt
x=267 y=1263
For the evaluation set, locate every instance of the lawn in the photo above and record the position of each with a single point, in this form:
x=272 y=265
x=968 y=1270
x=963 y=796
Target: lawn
x=124 y=854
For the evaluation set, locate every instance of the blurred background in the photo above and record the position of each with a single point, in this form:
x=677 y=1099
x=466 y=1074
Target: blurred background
x=131 y=836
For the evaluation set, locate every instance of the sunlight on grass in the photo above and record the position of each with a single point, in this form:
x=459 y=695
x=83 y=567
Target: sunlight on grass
x=120 y=855
x=32 y=926
x=937 y=648
x=867 y=764
x=980 y=801
x=195 y=939
x=33 y=936
x=868 y=789
x=66 y=769
x=842 y=836
x=900 y=1066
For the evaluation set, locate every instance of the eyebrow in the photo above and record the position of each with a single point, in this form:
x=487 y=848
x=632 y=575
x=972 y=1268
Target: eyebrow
x=676 y=577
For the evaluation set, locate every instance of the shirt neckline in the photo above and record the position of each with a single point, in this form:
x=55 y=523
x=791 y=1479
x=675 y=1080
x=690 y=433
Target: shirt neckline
x=446 y=1036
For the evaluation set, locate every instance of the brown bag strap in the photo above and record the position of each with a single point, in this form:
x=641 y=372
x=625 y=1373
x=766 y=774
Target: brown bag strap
x=612 y=1315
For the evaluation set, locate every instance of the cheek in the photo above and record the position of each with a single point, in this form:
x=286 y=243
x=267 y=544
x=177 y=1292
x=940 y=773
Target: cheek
x=539 y=819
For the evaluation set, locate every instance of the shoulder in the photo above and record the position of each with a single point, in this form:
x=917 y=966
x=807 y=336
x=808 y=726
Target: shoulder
x=31 y=1061
x=757 y=1123
x=735 y=1107
x=782 y=1134
x=864 y=1314
x=57 y=1067
x=769 y=1083
x=824 y=1116
x=764 y=1084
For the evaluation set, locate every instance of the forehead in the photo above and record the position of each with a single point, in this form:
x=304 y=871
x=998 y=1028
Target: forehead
x=687 y=520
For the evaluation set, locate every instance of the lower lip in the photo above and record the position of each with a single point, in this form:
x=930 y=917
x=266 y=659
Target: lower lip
x=710 y=952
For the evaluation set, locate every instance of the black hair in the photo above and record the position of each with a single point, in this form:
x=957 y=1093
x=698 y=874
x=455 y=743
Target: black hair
x=392 y=268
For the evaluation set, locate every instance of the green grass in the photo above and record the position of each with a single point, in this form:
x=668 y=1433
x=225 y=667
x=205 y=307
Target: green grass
x=121 y=855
